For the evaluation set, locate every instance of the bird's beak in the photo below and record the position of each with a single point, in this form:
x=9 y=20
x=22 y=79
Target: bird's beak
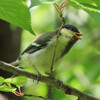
x=77 y=35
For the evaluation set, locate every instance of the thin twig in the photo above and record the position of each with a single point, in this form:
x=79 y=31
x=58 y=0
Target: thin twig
x=62 y=3
x=56 y=7
x=54 y=51
x=63 y=22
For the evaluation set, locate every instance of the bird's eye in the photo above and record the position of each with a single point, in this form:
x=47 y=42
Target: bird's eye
x=72 y=29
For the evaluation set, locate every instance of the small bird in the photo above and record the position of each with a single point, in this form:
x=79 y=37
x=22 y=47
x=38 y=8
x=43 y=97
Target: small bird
x=39 y=54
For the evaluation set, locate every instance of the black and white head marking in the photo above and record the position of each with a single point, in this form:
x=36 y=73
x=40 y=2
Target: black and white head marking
x=71 y=27
x=73 y=40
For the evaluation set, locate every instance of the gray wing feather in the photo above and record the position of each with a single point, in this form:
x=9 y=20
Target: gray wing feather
x=41 y=41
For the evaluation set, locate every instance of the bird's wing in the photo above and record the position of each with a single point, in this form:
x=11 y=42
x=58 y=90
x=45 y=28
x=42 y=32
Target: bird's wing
x=40 y=42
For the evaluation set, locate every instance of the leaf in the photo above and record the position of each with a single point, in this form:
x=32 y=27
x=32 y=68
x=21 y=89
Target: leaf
x=16 y=12
x=95 y=16
x=1 y=80
x=91 y=10
x=30 y=69
x=97 y=2
x=8 y=80
x=74 y=3
x=19 y=81
x=39 y=2
x=5 y=88
x=85 y=1
x=87 y=6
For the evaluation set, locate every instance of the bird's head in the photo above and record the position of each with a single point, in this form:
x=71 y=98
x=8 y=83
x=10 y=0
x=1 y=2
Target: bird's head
x=70 y=31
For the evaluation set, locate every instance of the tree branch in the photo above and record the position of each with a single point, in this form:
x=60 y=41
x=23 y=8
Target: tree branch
x=63 y=23
x=51 y=81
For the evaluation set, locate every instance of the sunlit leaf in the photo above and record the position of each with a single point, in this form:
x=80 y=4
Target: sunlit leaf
x=90 y=9
x=94 y=12
x=30 y=69
x=16 y=12
x=39 y=2
x=5 y=88
x=74 y=2
x=8 y=80
x=1 y=80
x=97 y=2
x=19 y=81
x=95 y=16
x=87 y=6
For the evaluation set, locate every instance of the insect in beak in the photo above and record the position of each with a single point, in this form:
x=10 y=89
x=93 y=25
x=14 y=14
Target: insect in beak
x=77 y=35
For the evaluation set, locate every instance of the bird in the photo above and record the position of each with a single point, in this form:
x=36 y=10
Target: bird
x=39 y=54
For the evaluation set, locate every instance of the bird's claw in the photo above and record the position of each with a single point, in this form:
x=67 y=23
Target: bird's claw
x=38 y=75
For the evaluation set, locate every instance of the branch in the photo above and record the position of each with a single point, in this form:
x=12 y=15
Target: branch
x=54 y=51
x=51 y=81
x=59 y=10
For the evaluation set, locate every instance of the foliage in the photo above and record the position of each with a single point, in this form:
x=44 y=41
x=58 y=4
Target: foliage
x=90 y=6
x=1 y=80
x=82 y=62
x=17 y=12
x=6 y=84
x=39 y=2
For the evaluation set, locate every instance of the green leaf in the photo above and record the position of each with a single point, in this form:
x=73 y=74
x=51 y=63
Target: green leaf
x=19 y=81
x=16 y=12
x=85 y=1
x=76 y=3
x=5 y=88
x=8 y=80
x=39 y=2
x=97 y=2
x=87 y=6
x=95 y=16
x=1 y=80
x=30 y=69
x=90 y=9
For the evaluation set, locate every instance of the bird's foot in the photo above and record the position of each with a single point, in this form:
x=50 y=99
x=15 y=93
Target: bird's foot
x=38 y=74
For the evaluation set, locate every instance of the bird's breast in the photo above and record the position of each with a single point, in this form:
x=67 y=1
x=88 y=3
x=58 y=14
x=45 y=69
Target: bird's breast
x=42 y=58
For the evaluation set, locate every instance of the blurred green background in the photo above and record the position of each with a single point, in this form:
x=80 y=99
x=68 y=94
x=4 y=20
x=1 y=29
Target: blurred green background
x=80 y=68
